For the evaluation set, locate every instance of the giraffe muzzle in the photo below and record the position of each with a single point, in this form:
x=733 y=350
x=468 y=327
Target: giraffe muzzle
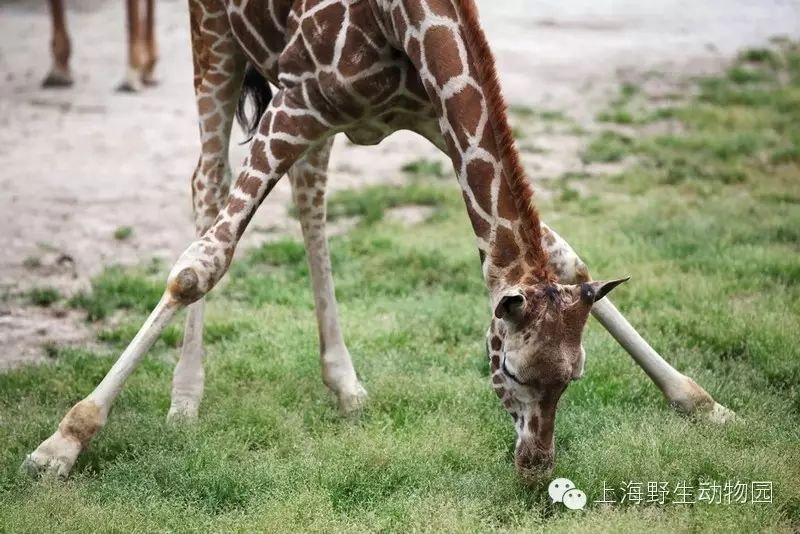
x=534 y=463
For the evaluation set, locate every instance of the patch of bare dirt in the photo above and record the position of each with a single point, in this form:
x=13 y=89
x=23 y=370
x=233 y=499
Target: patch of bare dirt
x=30 y=333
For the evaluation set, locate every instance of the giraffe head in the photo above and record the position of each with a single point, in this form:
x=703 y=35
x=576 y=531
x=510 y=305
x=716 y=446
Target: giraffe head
x=535 y=340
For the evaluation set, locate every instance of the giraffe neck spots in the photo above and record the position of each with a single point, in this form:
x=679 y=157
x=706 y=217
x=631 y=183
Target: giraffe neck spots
x=445 y=43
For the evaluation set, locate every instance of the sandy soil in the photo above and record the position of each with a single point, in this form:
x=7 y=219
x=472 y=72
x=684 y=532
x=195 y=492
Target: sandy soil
x=76 y=164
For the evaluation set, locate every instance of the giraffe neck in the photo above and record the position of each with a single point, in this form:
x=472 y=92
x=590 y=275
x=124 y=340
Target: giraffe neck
x=509 y=257
x=515 y=189
x=473 y=120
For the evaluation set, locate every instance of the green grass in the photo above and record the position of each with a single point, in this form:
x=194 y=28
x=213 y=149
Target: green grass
x=626 y=107
x=522 y=111
x=760 y=55
x=371 y=202
x=608 y=147
x=708 y=225
x=44 y=296
x=116 y=289
x=619 y=116
x=425 y=167
x=123 y=232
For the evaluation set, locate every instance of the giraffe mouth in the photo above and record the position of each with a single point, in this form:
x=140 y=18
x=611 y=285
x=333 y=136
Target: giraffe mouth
x=509 y=374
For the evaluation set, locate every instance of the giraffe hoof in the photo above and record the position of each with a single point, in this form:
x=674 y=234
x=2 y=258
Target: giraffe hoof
x=352 y=402
x=56 y=455
x=692 y=400
x=182 y=414
x=719 y=414
x=57 y=80
x=132 y=82
x=128 y=87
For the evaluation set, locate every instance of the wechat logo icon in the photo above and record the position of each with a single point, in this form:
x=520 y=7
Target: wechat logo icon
x=563 y=490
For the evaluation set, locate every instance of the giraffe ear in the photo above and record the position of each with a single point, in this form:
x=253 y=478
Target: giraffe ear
x=591 y=292
x=511 y=305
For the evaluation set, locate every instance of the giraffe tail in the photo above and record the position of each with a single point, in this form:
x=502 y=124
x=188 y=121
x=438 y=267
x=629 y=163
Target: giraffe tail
x=256 y=89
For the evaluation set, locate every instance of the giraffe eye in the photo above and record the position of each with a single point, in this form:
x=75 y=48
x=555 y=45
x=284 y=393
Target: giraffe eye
x=587 y=294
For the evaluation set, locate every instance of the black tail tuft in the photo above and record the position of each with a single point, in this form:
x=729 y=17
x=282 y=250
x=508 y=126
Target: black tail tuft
x=255 y=87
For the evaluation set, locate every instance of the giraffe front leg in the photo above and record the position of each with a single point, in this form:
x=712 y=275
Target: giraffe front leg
x=683 y=393
x=309 y=178
x=58 y=453
x=285 y=132
x=276 y=146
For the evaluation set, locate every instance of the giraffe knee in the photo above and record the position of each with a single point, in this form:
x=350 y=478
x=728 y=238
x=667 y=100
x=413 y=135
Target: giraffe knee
x=568 y=267
x=581 y=272
x=185 y=287
x=197 y=271
x=564 y=262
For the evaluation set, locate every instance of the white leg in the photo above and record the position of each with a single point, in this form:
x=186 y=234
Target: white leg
x=216 y=104
x=308 y=177
x=683 y=393
x=189 y=377
x=59 y=452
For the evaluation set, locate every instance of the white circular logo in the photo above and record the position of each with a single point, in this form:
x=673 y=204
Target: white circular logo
x=574 y=499
x=558 y=487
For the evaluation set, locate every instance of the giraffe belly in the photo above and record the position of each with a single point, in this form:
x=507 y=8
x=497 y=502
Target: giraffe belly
x=358 y=81
x=368 y=134
x=375 y=130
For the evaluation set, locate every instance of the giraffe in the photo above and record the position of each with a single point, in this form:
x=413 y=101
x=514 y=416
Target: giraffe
x=142 y=48
x=367 y=68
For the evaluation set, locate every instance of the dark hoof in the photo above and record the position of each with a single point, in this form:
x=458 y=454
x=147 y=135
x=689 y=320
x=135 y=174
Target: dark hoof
x=127 y=87
x=57 y=81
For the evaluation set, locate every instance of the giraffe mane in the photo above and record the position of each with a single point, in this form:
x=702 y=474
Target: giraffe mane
x=515 y=176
